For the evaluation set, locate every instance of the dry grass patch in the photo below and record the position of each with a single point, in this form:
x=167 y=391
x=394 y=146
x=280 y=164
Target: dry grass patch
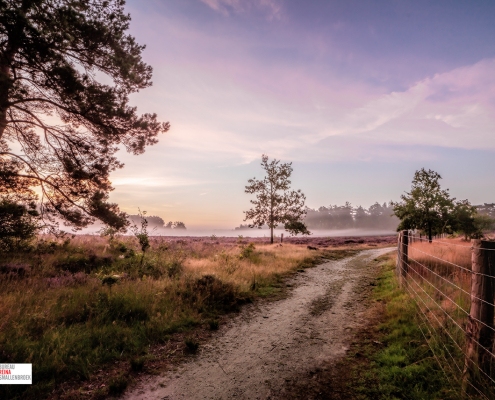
x=264 y=265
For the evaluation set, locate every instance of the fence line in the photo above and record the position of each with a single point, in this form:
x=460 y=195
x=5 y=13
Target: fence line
x=425 y=320
x=455 y=323
x=461 y=318
x=473 y=296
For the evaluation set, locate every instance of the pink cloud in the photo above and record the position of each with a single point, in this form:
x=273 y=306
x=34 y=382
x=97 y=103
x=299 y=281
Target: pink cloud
x=272 y=8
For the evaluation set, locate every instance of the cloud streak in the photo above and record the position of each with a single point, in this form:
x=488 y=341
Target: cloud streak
x=271 y=8
x=231 y=118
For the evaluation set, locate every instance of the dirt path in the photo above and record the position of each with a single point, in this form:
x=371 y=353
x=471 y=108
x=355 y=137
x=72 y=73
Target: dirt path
x=267 y=346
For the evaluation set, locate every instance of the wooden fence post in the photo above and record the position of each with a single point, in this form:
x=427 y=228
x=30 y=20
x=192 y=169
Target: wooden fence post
x=281 y=237
x=399 y=257
x=404 y=259
x=480 y=320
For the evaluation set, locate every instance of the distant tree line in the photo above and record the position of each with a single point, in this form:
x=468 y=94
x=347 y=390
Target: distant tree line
x=154 y=221
x=378 y=216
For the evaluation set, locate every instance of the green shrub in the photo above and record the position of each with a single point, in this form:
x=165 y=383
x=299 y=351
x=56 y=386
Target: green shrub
x=19 y=224
x=82 y=263
x=247 y=251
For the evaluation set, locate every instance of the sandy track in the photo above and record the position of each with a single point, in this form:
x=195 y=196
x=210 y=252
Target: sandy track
x=268 y=345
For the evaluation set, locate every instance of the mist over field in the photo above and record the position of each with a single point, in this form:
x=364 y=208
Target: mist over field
x=247 y=233
x=257 y=233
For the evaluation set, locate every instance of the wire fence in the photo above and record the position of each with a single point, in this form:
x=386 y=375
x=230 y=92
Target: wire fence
x=453 y=286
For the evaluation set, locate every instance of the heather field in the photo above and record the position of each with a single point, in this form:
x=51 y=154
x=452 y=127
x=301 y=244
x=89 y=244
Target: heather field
x=324 y=242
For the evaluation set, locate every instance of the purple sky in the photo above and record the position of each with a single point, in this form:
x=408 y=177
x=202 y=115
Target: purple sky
x=358 y=94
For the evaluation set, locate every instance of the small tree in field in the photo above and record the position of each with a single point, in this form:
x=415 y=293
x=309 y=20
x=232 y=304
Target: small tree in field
x=426 y=207
x=275 y=203
x=142 y=234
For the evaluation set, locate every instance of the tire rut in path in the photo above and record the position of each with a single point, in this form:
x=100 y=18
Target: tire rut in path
x=268 y=345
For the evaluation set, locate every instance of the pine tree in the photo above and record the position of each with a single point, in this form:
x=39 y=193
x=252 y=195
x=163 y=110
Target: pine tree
x=65 y=124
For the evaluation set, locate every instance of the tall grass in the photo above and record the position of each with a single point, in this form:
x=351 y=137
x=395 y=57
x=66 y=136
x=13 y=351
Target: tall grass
x=443 y=267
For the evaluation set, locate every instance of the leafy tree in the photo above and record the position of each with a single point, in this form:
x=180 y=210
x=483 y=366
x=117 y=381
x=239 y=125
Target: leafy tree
x=294 y=226
x=426 y=207
x=275 y=203
x=469 y=222
x=360 y=217
x=66 y=124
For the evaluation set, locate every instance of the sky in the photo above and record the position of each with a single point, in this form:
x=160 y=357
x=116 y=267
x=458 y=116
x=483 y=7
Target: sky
x=358 y=95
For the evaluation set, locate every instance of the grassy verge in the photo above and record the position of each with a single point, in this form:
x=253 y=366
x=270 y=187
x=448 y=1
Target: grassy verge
x=397 y=362
x=90 y=307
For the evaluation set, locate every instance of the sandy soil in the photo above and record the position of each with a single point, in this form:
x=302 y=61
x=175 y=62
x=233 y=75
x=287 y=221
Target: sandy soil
x=269 y=345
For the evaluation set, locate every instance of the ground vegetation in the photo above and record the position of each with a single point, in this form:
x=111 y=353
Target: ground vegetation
x=73 y=306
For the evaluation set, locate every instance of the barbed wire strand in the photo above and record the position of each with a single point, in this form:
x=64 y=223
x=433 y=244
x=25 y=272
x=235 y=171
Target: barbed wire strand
x=448 y=281
x=426 y=321
x=455 y=265
x=399 y=261
x=440 y=324
x=453 y=320
x=453 y=301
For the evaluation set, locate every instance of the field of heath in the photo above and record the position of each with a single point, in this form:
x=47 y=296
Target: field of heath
x=445 y=263
x=73 y=306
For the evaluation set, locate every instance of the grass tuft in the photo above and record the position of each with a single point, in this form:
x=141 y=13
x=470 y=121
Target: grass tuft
x=137 y=364
x=214 y=324
x=118 y=385
x=192 y=345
